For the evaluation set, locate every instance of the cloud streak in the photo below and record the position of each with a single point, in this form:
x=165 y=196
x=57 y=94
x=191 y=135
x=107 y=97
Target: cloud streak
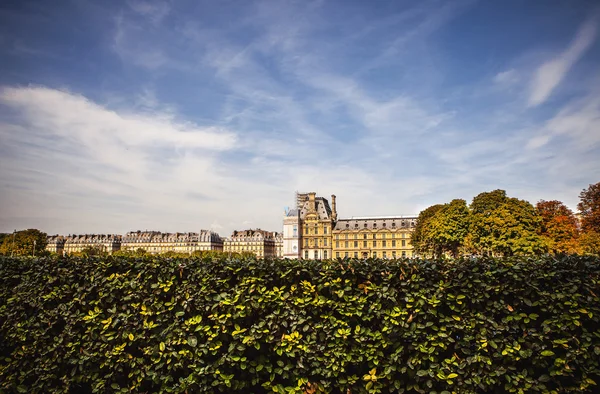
x=550 y=74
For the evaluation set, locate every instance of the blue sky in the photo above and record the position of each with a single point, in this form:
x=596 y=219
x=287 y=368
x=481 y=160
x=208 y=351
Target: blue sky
x=185 y=115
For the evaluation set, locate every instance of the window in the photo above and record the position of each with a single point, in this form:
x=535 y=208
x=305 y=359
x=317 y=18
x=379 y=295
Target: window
x=384 y=255
x=374 y=254
x=324 y=229
x=324 y=254
x=316 y=230
x=374 y=225
x=295 y=230
x=403 y=235
x=394 y=254
x=346 y=254
x=393 y=224
x=346 y=237
x=325 y=242
x=337 y=236
x=403 y=243
x=365 y=236
x=306 y=254
x=337 y=254
x=355 y=236
x=337 y=244
x=394 y=244
x=305 y=243
x=383 y=244
x=346 y=244
x=365 y=225
x=355 y=255
x=347 y=225
x=374 y=236
x=306 y=230
x=356 y=244
x=403 y=254
x=364 y=244
x=374 y=244
x=393 y=235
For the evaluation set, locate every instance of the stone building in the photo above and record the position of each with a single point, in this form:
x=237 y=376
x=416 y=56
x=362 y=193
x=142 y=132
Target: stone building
x=377 y=237
x=156 y=242
x=291 y=234
x=278 y=244
x=312 y=231
x=317 y=220
x=108 y=243
x=259 y=242
x=56 y=244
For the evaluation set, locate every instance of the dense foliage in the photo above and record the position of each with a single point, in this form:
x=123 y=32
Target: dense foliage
x=120 y=324
x=493 y=225
x=497 y=225
x=24 y=243
x=559 y=227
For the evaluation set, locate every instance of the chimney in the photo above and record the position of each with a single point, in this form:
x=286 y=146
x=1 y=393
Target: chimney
x=333 y=208
x=311 y=202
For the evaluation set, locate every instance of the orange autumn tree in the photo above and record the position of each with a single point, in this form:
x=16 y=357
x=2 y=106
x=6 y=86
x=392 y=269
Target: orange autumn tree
x=559 y=227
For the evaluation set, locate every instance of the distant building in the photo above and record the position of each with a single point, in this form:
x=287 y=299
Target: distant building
x=108 y=243
x=317 y=220
x=278 y=244
x=56 y=244
x=259 y=242
x=156 y=242
x=377 y=237
x=291 y=234
x=312 y=231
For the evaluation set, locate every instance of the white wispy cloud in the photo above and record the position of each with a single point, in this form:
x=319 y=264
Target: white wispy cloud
x=549 y=75
x=299 y=99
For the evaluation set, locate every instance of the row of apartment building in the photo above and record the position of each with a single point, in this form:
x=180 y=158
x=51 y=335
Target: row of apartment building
x=311 y=230
x=261 y=243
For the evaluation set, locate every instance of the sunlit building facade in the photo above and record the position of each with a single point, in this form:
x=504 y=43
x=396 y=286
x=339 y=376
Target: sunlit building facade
x=258 y=242
x=107 y=243
x=376 y=237
x=312 y=231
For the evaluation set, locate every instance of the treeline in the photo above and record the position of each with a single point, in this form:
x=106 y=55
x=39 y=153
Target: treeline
x=495 y=224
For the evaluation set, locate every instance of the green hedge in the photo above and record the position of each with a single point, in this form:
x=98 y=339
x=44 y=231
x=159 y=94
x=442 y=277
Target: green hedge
x=208 y=325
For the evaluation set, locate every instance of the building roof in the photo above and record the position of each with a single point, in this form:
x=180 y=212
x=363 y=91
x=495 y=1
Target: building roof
x=376 y=223
x=322 y=207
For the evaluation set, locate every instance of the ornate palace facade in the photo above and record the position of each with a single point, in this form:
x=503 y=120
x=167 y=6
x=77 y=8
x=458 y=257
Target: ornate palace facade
x=312 y=231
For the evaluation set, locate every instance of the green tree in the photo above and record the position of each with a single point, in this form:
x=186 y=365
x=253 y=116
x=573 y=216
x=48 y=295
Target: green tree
x=589 y=208
x=449 y=226
x=421 y=237
x=558 y=227
x=25 y=243
x=503 y=226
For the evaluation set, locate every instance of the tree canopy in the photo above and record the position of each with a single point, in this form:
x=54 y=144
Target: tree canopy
x=589 y=208
x=558 y=227
x=24 y=243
